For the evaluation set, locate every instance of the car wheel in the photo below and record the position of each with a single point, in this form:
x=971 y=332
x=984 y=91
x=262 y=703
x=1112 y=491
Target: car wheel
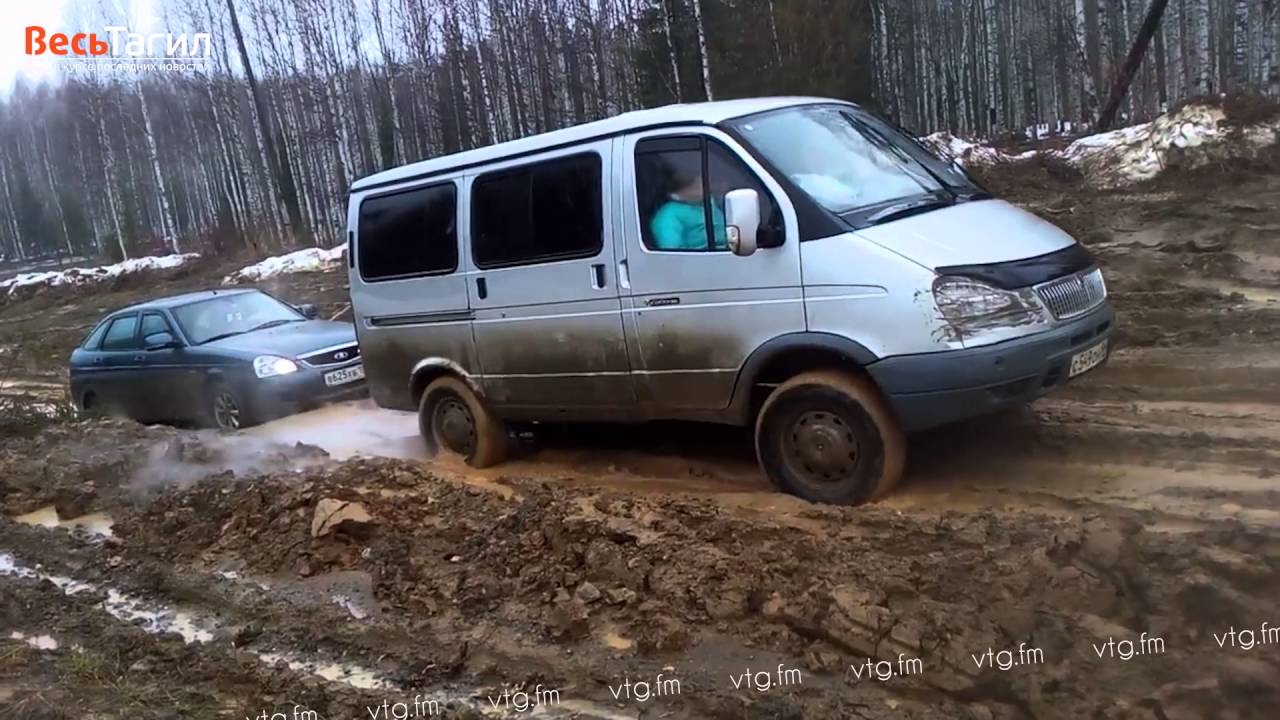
x=454 y=421
x=828 y=437
x=224 y=409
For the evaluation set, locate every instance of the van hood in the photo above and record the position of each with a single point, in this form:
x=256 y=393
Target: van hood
x=977 y=232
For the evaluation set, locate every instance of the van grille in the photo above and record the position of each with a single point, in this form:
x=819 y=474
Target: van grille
x=1075 y=294
x=332 y=356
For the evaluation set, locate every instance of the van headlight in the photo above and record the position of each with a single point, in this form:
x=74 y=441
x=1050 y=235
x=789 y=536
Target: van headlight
x=265 y=366
x=971 y=306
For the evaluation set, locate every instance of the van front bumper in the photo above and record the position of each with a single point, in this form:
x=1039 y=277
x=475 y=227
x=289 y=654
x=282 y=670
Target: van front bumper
x=933 y=389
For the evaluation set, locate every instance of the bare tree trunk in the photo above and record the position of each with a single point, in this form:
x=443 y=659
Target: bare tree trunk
x=288 y=193
x=702 y=50
x=671 y=48
x=1203 y=60
x=57 y=198
x=168 y=228
x=1131 y=63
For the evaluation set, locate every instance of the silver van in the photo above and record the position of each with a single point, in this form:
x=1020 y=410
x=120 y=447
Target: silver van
x=794 y=264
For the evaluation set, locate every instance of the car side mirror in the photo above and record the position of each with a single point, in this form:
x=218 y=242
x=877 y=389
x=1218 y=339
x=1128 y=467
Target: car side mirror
x=309 y=311
x=742 y=220
x=161 y=341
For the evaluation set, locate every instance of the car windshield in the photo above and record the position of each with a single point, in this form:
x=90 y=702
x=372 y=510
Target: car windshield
x=849 y=160
x=235 y=314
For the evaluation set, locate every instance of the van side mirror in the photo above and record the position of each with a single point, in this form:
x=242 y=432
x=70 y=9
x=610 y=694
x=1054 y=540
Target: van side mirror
x=742 y=220
x=309 y=311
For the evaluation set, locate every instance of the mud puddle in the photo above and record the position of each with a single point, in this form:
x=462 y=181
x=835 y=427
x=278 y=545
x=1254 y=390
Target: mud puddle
x=95 y=524
x=347 y=430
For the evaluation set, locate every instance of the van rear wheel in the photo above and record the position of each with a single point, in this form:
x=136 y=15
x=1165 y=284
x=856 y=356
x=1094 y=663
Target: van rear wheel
x=454 y=421
x=827 y=436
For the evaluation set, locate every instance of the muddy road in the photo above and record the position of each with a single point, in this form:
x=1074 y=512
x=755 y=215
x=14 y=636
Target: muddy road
x=1110 y=552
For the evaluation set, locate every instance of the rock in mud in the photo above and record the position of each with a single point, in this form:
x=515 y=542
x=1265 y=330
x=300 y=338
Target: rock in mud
x=339 y=516
x=587 y=593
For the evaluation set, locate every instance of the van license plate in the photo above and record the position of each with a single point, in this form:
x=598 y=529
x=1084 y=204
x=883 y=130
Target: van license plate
x=353 y=373
x=1087 y=360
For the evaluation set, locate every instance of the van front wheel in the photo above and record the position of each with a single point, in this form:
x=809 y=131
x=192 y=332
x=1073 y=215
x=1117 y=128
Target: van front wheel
x=453 y=420
x=828 y=437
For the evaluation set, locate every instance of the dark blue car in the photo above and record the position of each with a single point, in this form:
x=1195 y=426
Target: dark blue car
x=218 y=358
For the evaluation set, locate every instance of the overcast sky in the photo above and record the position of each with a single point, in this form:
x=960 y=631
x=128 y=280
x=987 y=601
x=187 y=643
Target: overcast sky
x=15 y=16
x=68 y=16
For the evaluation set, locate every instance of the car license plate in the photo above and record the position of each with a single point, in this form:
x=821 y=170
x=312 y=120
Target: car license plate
x=345 y=375
x=1087 y=360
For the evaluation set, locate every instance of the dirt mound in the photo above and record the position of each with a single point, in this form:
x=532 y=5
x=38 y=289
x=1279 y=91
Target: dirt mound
x=572 y=566
x=101 y=464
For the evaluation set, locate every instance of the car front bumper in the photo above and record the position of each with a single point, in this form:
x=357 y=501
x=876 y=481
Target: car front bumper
x=932 y=389
x=302 y=390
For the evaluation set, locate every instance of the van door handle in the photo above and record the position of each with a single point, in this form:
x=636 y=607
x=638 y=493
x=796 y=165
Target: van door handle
x=482 y=288
x=139 y=358
x=624 y=274
x=597 y=276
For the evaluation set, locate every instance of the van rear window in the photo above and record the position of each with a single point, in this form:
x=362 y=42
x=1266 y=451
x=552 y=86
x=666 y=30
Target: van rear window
x=408 y=233
x=538 y=213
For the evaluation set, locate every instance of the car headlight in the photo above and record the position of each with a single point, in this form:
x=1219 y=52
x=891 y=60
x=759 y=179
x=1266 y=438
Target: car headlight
x=971 y=306
x=265 y=366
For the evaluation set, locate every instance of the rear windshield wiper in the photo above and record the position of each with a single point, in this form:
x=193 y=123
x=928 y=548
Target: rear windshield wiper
x=903 y=209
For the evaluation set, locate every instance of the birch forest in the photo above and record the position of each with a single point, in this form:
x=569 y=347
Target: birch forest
x=257 y=146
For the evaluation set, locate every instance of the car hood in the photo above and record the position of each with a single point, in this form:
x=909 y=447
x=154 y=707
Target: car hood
x=289 y=340
x=969 y=233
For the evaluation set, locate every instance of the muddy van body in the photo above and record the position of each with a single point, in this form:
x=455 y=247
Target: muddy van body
x=796 y=265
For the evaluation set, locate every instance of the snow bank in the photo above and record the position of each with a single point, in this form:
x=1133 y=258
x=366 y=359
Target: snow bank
x=309 y=260
x=86 y=276
x=1194 y=135
x=969 y=152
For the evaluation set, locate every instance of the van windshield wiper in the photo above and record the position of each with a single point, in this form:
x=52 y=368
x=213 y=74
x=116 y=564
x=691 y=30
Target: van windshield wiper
x=903 y=209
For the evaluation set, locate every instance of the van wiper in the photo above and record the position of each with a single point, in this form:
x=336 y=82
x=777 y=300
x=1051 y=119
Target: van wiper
x=903 y=209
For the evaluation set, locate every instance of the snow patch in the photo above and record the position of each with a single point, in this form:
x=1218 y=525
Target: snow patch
x=309 y=260
x=86 y=276
x=1194 y=135
x=969 y=152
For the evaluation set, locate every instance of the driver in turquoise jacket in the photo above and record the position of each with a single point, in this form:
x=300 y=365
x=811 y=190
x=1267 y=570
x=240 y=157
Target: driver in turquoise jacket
x=681 y=223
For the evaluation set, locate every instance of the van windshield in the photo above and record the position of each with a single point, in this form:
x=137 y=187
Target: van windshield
x=853 y=163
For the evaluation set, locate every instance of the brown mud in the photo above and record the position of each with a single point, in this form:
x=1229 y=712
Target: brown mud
x=1139 y=503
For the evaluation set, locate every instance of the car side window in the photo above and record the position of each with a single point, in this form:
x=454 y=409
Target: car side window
x=154 y=324
x=95 y=337
x=121 y=334
x=546 y=211
x=681 y=183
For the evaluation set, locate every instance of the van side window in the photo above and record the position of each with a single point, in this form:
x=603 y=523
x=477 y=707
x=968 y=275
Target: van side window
x=121 y=334
x=409 y=233
x=680 y=187
x=547 y=211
